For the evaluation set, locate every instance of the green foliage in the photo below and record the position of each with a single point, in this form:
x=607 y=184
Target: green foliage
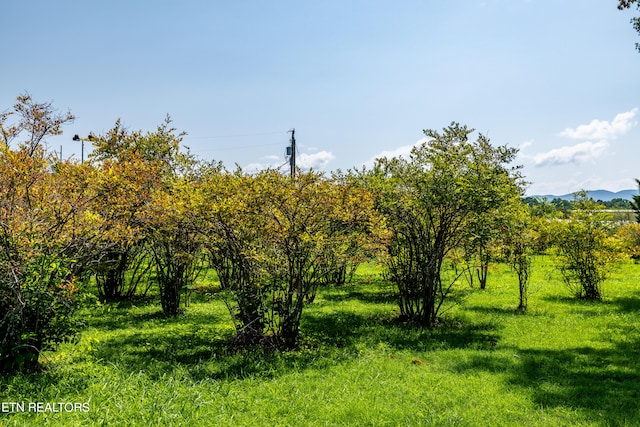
x=617 y=203
x=37 y=304
x=142 y=205
x=586 y=251
x=636 y=203
x=40 y=199
x=122 y=192
x=141 y=199
x=564 y=362
x=313 y=226
x=175 y=243
x=161 y=147
x=487 y=233
x=625 y=4
x=273 y=240
x=629 y=236
x=231 y=214
x=34 y=121
x=135 y=174
x=121 y=271
x=431 y=202
x=519 y=240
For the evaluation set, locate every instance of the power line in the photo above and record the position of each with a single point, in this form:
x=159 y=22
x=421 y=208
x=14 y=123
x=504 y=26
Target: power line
x=241 y=135
x=236 y=147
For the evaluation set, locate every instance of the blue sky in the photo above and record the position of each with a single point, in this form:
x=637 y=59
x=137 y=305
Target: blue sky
x=356 y=79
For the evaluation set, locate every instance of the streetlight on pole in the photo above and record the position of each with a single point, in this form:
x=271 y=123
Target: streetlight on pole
x=88 y=138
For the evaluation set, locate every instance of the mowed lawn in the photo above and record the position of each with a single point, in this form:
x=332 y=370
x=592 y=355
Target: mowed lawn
x=563 y=362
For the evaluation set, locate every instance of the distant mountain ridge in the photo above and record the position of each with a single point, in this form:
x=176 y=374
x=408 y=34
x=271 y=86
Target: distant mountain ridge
x=604 y=195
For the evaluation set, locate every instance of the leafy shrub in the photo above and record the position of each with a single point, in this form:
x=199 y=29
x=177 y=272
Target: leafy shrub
x=433 y=202
x=629 y=235
x=38 y=303
x=585 y=249
x=273 y=240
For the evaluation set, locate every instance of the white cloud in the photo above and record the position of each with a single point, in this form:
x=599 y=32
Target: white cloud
x=602 y=129
x=578 y=153
x=255 y=167
x=316 y=161
x=270 y=161
x=403 y=152
x=525 y=144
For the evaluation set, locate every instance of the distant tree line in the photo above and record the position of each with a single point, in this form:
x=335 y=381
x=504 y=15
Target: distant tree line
x=564 y=205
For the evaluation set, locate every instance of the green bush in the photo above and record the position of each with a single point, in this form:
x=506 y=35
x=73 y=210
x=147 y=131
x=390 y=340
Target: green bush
x=585 y=249
x=38 y=303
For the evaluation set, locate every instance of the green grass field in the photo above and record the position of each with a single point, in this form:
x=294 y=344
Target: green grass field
x=564 y=362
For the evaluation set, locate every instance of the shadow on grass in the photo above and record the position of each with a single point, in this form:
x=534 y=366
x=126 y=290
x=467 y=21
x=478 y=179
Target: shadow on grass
x=122 y=315
x=196 y=343
x=344 y=330
x=628 y=304
x=383 y=294
x=121 y=319
x=141 y=338
x=43 y=386
x=157 y=352
x=594 y=307
x=602 y=382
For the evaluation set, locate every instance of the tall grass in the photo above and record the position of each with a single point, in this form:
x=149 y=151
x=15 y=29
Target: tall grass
x=564 y=362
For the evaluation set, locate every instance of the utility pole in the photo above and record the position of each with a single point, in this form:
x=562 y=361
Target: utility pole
x=292 y=158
